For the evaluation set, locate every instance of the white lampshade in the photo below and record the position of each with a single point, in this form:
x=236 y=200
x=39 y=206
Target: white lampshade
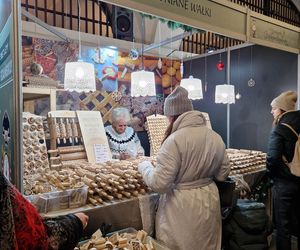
x=225 y=94
x=142 y=83
x=193 y=86
x=79 y=76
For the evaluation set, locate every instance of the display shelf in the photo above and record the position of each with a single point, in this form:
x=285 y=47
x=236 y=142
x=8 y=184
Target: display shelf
x=88 y=207
x=30 y=94
x=119 y=214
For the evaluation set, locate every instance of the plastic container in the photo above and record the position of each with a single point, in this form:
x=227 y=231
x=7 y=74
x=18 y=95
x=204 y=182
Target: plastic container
x=39 y=202
x=57 y=200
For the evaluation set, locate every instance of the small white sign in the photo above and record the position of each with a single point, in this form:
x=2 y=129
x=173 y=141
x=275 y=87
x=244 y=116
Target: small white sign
x=93 y=132
x=102 y=153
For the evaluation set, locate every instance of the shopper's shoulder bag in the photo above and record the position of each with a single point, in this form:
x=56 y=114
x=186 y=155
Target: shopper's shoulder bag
x=294 y=165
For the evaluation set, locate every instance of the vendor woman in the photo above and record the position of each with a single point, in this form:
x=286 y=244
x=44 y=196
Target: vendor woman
x=122 y=139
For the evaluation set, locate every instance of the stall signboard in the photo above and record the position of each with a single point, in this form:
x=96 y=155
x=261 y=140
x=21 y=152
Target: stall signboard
x=6 y=90
x=222 y=17
x=207 y=15
x=271 y=33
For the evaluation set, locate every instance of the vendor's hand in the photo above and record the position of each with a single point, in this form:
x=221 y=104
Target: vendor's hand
x=124 y=156
x=83 y=218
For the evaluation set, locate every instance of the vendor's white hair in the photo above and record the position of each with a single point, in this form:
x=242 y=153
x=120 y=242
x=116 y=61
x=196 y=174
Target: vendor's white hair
x=120 y=113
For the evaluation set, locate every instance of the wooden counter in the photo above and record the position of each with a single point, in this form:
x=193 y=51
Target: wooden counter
x=138 y=212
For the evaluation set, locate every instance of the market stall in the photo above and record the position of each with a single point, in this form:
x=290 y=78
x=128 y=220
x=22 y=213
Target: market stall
x=112 y=193
x=67 y=165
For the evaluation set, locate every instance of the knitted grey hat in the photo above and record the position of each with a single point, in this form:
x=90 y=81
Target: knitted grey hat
x=286 y=101
x=177 y=102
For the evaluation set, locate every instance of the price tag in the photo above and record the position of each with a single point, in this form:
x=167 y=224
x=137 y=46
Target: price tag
x=102 y=153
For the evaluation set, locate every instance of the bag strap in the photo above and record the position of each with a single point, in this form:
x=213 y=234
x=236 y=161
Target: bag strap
x=291 y=128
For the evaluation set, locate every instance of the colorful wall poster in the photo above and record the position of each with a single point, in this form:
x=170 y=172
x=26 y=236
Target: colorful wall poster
x=105 y=61
x=51 y=55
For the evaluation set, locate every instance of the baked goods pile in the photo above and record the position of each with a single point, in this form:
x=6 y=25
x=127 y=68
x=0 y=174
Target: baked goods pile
x=131 y=241
x=110 y=180
x=244 y=161
x=156 y=129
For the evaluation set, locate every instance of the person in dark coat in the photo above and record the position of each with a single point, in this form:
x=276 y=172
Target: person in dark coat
x=286 y=187
x=22 y=228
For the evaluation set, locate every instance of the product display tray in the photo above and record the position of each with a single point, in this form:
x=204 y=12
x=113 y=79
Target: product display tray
x=57 y=200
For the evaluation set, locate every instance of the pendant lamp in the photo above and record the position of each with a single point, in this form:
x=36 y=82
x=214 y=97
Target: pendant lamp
x=193 y=86
x=225 y=94
x=79 y=76
x=143 y=82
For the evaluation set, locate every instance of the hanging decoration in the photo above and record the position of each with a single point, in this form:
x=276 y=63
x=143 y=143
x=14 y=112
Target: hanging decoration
x=133 y=54
x=251 y=82
x=205 y=73
x=79 y=76
x=181 y=65
x=171 y=44
x=97 y=56
x=181 y=68
x=220 y=64
x=159 y=62
x=238 y=95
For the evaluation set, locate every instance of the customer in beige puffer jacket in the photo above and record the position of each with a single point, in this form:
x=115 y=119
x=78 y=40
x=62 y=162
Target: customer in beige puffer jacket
x=189 y=160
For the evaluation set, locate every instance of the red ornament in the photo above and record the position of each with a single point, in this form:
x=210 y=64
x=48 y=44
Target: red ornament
x=220 y=66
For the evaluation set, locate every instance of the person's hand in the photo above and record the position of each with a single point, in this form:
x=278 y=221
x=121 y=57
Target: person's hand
x=143 y=166
x=83 y=218
x=124 y=156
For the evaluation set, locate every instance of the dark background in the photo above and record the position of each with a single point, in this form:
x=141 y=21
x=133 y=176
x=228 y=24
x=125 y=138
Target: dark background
x=274 y=71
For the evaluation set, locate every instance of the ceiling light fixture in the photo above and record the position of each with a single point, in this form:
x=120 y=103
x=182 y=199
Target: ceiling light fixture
x=79 y=76
x=143 y=82
x=225 y=93
x=192 y=85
